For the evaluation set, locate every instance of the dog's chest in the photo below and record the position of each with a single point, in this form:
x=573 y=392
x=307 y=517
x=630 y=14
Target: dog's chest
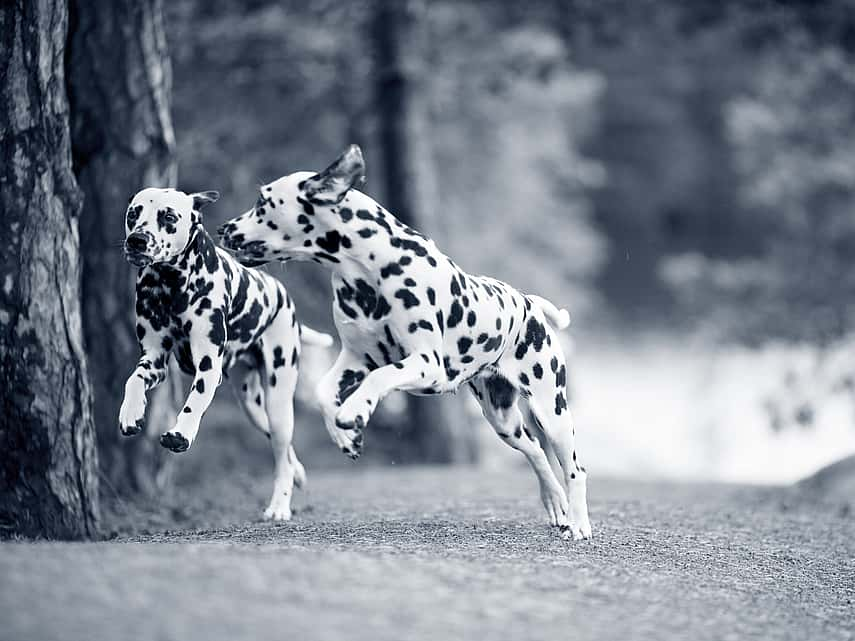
x=364 y=318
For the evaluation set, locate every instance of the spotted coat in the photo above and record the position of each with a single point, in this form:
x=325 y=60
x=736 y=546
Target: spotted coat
x=218 y=318
x=410 y=319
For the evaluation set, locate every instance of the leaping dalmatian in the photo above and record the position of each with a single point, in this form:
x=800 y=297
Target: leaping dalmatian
x=219 y=318
x=410 y=319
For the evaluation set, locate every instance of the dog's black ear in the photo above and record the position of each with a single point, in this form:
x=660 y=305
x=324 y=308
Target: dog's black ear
x=202 y=198
x=332 y=184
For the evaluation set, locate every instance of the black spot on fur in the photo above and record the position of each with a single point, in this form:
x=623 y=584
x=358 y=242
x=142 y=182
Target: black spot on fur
x=455 y=315
x=348 y=383
x=560 y=403
x=493 y=343
x=133 y=215
x=450 y=372
x=330 y=242
x=390 y=270
x=501 y=392
x=561 y=377
x=455 y=286
x=217 y=335
x=407 y=297
x=278 y=360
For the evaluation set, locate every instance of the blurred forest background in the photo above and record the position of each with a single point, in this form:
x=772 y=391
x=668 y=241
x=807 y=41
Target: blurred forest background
x=680 y=176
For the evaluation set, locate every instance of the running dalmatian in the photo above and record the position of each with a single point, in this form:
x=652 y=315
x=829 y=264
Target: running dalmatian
x=410 y=319
x=218 y=317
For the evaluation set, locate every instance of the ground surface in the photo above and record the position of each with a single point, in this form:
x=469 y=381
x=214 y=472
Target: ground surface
x=433 y=553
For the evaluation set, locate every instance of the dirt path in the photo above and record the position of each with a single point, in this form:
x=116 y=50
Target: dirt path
x=431 y=553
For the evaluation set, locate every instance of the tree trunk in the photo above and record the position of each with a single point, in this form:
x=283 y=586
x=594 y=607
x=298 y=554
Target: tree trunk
x=122 y=141
x=409 y=185
x=48 y=465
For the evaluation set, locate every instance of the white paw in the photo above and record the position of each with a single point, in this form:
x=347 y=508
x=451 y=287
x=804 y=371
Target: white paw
x=552 y=496
x=347 y=434
x=579 y=515
x=279 y=509
x=572 y=531
x=131 y=420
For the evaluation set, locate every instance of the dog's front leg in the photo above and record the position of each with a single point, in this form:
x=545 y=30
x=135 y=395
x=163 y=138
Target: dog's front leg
x=342 y=380
x=149 y=372
x=417 y=371
x=208 y=361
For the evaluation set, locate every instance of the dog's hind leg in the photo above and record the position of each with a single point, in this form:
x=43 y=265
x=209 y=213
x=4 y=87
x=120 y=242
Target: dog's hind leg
x=279 y=380
x=498 y=399
x=251 y=395
x=547 y=388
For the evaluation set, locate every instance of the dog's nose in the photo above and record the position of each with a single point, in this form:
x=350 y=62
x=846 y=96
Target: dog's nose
x=137 y=242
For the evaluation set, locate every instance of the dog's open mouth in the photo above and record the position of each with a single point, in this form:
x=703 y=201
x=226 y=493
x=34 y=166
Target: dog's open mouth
x=249 y=261
x=137 y=260
x=248 y=254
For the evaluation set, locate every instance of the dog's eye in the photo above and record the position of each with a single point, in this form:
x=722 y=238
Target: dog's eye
x=170 y=218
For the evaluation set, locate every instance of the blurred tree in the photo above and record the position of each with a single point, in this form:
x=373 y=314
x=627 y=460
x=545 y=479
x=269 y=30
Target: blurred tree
x=48 y=470
x=122 y=141
x=408 y=185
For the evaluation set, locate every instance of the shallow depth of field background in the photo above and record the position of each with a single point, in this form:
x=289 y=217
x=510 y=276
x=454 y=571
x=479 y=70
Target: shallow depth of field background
x=680 y=176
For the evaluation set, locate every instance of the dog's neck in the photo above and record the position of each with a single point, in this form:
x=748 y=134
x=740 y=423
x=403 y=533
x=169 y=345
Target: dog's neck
x=373 y=234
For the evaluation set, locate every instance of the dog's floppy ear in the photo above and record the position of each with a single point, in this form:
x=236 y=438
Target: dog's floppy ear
x=332 y=184
x=202 y=198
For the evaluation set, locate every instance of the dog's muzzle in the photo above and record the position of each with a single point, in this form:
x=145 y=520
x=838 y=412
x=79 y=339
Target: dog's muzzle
x=226 y=232
x=135 y=249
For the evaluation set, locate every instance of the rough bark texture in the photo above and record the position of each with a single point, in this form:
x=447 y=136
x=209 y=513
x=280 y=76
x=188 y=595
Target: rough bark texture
x=122 y=141
x=48 y=465
x=409 y=184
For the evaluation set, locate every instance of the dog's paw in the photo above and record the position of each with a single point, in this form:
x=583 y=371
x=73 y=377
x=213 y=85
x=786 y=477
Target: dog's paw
x=555 y=502
x=131 y=418
x=133 y=429
x=572 y=531
x=348 y=436
x=279 y=509
x=346 y=423
x=174 y=441
x=579 y=514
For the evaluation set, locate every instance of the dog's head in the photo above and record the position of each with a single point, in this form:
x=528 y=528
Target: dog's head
x=159 y=223
x=296 y=216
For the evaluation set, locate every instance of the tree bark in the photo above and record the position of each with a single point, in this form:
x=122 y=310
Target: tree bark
x=409 y=184
x=122 y=141
x=48 y=466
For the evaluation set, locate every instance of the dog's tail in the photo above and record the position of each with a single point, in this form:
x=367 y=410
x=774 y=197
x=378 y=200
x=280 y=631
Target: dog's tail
x=311 y=336
x=560 y=318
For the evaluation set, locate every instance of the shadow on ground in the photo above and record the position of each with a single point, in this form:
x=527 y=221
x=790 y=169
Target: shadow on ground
x=431 y=553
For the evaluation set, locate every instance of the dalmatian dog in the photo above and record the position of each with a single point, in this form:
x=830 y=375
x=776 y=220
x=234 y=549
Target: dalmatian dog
x=219 y=318
x=410 y=319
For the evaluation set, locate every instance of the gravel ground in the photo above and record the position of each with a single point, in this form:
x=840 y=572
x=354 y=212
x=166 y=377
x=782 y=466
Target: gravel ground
x=442 y=553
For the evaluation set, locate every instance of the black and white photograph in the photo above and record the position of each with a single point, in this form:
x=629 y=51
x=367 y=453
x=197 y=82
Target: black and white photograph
x=427 y=319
